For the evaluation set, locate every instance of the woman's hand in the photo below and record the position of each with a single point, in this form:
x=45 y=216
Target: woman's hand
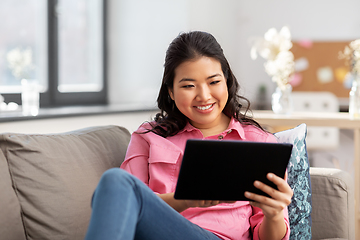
x=181 y=205
x=204 y=203
x=280 y=199
x=273 y=225
x=200 y=203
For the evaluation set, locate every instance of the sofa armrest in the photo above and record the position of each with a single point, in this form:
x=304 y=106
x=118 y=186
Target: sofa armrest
x=332 y=204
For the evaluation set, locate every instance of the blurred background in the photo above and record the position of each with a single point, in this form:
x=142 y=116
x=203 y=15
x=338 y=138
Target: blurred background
x=94 y=52
x=117 y=47
x=140 y=31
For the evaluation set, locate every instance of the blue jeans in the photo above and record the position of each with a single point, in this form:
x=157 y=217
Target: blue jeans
x=123 y=207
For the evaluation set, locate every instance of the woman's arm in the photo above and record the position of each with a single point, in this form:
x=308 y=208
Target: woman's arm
x=136 y=159
x=182 y=205
x=273 y=225
x=137 y=163
x=272 y=228
x=178 y=205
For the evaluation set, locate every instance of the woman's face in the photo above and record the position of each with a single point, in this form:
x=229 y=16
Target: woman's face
x=200 y=92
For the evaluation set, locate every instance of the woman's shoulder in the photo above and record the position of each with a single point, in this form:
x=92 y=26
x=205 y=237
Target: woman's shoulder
x=145 y=137
x=145 y=127
x=146 y=131
x=254 y=133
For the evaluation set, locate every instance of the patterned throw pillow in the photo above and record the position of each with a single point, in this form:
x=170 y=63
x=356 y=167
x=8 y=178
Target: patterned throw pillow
x=299 y=180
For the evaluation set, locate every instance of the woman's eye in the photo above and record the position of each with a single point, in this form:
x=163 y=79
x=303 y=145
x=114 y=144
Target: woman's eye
x=187 y=86
x=214 y=82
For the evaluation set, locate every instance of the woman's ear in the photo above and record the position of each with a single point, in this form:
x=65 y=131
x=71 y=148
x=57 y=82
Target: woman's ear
x=171 y=94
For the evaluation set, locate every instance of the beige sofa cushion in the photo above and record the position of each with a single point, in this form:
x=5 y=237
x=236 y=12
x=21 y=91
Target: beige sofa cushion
x=10 y=219
x=55 y=176
x=333 y=201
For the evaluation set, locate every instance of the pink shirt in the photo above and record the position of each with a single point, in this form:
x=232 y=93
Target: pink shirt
x=156 y=161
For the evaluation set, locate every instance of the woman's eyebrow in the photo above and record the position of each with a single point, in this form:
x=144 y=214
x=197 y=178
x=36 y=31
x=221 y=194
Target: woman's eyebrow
x=187 y=80
x=215 y=75
x=193 y=80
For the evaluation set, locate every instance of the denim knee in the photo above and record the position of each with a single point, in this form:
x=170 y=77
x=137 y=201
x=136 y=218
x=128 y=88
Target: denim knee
x=114 y=176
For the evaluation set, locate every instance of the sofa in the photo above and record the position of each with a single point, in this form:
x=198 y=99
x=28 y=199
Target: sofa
x=47 y=181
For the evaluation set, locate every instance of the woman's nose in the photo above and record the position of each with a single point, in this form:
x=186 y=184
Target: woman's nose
x=203 y=94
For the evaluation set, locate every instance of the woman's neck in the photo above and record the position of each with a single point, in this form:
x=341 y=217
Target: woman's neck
x=219 y=128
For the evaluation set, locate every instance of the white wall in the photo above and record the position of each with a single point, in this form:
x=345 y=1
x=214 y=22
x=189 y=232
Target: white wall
x=322 y=20
x=140 y=32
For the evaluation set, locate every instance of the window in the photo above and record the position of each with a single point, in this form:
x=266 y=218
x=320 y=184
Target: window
x=65 y=41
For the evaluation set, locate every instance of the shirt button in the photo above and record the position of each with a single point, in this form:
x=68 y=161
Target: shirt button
x=220 y=137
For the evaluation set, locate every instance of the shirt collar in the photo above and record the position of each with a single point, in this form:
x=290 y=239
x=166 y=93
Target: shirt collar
x=188 y=128
x=234 y=125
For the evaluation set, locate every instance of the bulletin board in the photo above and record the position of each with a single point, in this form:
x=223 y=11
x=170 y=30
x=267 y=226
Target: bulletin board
x=320 y=67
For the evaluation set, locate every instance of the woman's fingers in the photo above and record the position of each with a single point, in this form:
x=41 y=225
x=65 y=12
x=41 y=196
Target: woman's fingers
x=209 y=203
x=284 y=190
x=228 y=202
x=201 y=203
x=281 y=183
x=279 y=199
x=260 y=199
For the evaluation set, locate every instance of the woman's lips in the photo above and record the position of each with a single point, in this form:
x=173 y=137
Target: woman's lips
x=205 y=108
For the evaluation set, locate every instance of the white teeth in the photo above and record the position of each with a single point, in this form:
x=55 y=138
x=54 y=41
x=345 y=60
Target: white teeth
x=204 y=108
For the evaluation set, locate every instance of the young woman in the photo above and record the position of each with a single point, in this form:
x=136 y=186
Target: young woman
x=198 y=99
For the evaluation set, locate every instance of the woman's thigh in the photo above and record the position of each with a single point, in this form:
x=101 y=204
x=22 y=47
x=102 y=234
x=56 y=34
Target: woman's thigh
x=155 y=219
x=158 y=221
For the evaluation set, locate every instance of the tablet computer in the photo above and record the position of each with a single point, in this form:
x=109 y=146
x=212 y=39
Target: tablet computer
x=224 y=170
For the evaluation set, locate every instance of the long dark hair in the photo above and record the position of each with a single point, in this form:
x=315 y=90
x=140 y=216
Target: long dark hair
x=190 y=46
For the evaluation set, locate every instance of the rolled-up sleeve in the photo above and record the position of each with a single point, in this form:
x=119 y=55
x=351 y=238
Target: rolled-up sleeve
x=257 y=218
x=136 y=159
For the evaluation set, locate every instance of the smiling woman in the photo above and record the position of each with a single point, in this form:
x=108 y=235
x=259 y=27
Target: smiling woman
x=198 y=100
x=195 y=64
x=200 y=93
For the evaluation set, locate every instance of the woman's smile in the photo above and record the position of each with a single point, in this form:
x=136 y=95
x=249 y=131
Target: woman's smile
x=206 y=108
x=200 y=93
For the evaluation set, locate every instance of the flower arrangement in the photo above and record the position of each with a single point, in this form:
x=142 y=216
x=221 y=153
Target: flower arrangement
x=275 y=48
x=351 y=54
x=20 y=62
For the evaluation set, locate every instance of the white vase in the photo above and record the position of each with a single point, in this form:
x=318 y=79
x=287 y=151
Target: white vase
x=354 y=98
x=30 y=99
x=281 y=102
